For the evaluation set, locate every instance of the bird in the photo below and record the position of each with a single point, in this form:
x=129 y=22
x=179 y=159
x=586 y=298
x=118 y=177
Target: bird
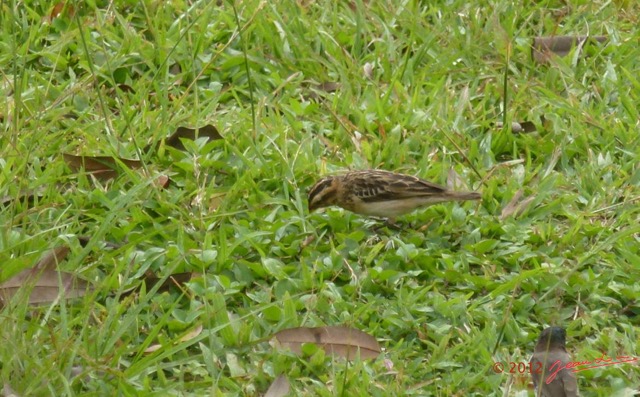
x=548 y=364
x=380 y=193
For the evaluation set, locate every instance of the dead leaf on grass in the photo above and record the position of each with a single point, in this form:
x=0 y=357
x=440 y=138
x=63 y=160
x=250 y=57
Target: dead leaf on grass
x=516 y=207
x=279 y=388
x=59 y=8
x=455 y=181
x=102 y=167
x=152 y=348
x=342 y=341
x=162 y=181
x=7 y=391
x=48 y=282
x=317 y=90
x=191 y=334
x=27 y=198
x=175 y=140
x=544 y=48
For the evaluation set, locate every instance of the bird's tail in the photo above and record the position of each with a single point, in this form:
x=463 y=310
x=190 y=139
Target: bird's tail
x=464 y=196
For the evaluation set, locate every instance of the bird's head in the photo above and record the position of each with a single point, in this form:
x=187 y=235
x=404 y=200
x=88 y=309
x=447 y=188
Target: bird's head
x=324 y=193
x=552 y=336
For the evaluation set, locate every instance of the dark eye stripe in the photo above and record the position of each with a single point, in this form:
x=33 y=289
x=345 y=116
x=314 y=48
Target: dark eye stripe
x=320 y=186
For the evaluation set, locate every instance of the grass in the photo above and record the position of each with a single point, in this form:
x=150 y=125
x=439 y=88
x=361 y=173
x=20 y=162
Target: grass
x=457 y=290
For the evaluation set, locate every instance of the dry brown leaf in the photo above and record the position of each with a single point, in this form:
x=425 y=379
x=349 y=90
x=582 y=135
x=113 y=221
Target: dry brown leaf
x=305 y=243
x=523 y=205
x=316 y=90
x=57 y=10
x=516 y=207
x=356 y=138
x=367 y=70
x=162 y=181
x=175 y=68
x=152 y=349
x=191 y=334
x=510 y=208
x=126 y=88
x=543 y=48
x=328 y=86
x=382 y=132
x=342 y=341
x=48 y=283
x=279 y=388
x=455 y=181
x=102 y=167
x=7 y=391
x=207 y=131
x=28 y=197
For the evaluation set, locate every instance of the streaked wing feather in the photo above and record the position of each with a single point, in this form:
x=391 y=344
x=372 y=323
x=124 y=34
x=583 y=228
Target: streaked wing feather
x=372 y=186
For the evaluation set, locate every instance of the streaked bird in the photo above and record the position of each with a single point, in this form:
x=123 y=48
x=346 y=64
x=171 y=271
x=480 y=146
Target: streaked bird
x=381 y=193
x=550 y=357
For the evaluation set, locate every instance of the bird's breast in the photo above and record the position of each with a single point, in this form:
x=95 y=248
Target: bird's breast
x=389 y=208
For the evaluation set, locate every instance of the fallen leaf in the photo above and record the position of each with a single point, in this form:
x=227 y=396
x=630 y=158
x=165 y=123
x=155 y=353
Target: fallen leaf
x=162 y=181
x=175 y=68
x=455 y=181
x=29 y=198
x=367 y=70
x=126 y=88
x=307 y=241
x=317 y=89
x=102 y=167
x=76 y=370
x=207 y=131
x=510 y=208
x=152 y=348
x=7 y=391
x=48 y=283
x=522 y=206
x=341 y=341
x=382 y=132
x=279 y=388
x=356 y=139
x=57 y=10
x=543 y=48
x=328 y=86
x=516 y=206
x=191 y=334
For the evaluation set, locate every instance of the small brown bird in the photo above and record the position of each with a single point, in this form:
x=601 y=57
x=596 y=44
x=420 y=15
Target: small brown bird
x=380 y=193
x=548 y=364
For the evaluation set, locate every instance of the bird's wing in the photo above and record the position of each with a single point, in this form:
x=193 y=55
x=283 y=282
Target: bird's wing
x=570 y=383
x=564 y=384
x=535 y=376
x=371 y=186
